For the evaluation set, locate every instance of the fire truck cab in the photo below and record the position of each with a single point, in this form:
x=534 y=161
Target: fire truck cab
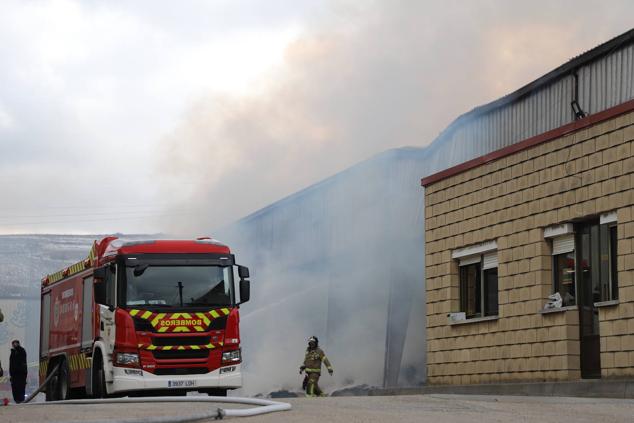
x=143 y=317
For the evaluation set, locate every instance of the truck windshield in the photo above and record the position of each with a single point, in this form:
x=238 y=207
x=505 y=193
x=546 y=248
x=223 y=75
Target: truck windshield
x=179 y=286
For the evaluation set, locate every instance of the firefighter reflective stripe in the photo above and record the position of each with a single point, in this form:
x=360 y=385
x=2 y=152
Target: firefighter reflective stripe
x=151 y=347
x=180 y=322
x=309 y=370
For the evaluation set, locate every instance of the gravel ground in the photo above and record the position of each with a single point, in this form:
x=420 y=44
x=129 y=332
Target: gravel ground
x=415 y=408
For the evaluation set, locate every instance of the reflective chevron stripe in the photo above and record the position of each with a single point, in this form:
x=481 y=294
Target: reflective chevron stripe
x=151 y=347
x=73 y=269
x=76 y=362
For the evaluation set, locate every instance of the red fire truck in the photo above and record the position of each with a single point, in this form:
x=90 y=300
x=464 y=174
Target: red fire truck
x=143 y=317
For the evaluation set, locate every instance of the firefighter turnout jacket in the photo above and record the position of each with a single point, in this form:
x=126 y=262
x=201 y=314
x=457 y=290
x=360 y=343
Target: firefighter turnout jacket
x=313 y=359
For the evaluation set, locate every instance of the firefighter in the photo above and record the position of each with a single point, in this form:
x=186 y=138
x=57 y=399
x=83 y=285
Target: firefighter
x=312 y=366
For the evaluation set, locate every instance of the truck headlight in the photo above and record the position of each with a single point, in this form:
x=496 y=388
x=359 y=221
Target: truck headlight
x=231 y=357
x=127 y=359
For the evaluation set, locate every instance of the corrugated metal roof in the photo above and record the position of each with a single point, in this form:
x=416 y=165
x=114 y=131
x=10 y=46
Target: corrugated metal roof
x=605 y=77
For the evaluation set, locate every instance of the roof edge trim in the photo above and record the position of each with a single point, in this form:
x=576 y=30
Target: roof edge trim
x=569 y=128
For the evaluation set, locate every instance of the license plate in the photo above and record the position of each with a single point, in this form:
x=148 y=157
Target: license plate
x=181 y=383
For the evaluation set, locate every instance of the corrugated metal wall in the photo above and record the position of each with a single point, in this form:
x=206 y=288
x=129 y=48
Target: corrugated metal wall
x=603 y=83
x=607 y=82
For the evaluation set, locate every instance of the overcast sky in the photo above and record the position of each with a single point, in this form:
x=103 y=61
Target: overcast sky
x=163 y=116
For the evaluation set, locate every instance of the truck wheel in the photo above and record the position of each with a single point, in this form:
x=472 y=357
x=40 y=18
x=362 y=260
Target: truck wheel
x=98 y=378
x=51 y=388
x=58 y=387
x=63 y=381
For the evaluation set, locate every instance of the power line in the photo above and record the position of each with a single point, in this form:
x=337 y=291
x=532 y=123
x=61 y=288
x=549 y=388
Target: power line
x=94 y=220
x=46 y=216
x=83 y=207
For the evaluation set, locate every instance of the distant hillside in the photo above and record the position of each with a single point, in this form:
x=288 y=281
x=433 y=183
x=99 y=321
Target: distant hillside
x=25 y=259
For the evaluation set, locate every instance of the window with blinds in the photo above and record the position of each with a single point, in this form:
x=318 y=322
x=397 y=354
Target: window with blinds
x=478 y=280
x=585 y=253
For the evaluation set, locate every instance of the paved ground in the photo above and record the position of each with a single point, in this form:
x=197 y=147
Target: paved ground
x=415 y=408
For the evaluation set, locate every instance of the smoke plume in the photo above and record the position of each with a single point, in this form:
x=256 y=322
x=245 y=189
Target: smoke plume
x=364 y=77
x=344 y=260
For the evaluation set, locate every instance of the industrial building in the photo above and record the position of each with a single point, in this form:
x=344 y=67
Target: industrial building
x=343 y=259
x=529 y=247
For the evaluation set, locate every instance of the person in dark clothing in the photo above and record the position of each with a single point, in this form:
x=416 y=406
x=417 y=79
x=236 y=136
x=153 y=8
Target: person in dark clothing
x=18 y=371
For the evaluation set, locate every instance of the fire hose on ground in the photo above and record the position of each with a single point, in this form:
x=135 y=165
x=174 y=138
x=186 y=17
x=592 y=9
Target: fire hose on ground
x=263 y=406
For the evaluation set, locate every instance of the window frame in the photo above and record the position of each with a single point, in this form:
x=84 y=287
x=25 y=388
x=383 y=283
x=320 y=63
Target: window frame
x=481 y=291
x=613 y=271
x=555 y=275
x=606 y=231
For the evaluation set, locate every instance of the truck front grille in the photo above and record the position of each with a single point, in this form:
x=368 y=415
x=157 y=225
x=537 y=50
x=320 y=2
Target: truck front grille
x=180 y=340
x=142 y=325
x=180 y=354
x=181 y=371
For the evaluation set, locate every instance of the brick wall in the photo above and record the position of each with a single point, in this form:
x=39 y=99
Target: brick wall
x=511 y=200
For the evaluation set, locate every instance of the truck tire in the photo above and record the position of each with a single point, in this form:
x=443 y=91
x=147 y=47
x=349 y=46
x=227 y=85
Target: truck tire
x=64 y=381
x=51 y=388
x=98 y=377
x=58 y=388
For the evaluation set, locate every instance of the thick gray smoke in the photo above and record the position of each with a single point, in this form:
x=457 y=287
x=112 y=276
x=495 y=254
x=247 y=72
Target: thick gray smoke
x=344 y=259
x=363 y=78
x=339 y=261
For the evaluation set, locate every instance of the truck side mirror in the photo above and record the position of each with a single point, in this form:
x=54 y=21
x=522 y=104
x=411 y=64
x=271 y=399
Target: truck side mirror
x=101 y=276
x=243 y=272
x=245 y=291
